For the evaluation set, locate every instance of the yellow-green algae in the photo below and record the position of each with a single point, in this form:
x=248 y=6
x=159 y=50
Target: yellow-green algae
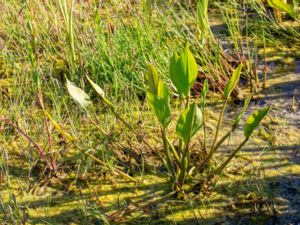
x=66 y=204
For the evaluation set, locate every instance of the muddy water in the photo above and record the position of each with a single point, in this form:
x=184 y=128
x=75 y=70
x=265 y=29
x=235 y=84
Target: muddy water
x=283 y=92
x=283 y=136
x=284 y=95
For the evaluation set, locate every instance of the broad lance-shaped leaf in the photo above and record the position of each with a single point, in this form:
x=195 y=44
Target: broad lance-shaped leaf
x=254 y=120
x=190 y=121
x=99 y=91
x=78 y=95
x=279 y=4
x=178 y=79
x=160 y=103
x=234 y=80
x=152 y=79
x=183 y=71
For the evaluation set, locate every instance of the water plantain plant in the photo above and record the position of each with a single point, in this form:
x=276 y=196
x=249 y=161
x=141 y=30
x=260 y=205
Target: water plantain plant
x=177 y=159
x=183 y=73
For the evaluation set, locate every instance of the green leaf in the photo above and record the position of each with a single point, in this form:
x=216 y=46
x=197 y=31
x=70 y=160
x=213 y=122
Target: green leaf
x=279 y=4
x=78 y=95
x=160 y=103
x=158 y=96
x=99 y=91
x=178 y=79
x=234 y=80
x=190 y=121
x=254 y=120
x=242 y=113
x=183 y=71
x=152 y=79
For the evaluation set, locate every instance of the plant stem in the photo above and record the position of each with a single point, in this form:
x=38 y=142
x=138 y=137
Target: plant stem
x=168 y=156
x=173 y=151
x=184 y=164
x=41 y=102
x=213 y=151
x=39 y=150
x=221 y=168
x=187 y=101
x=184 y=159
x=204 y=124
x=219 y=124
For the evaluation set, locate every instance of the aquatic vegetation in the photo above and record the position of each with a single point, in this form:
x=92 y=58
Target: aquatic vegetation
x=183 y=71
